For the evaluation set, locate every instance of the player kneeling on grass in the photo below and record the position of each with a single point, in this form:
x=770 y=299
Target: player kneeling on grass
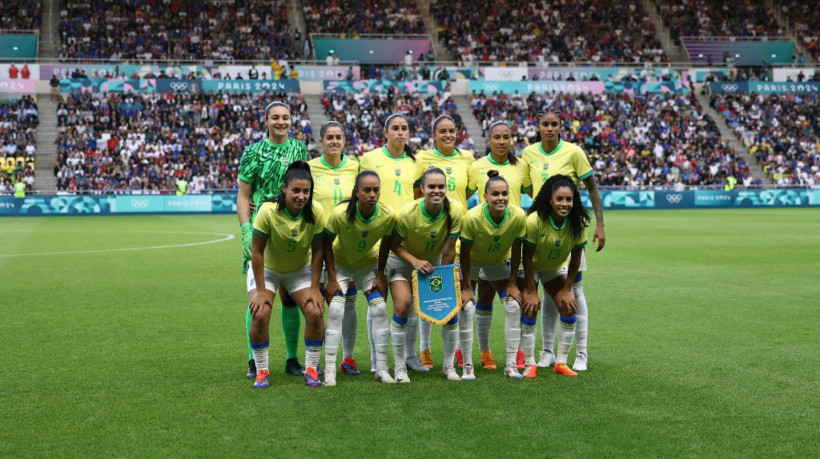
x=491 y=238
x=556 y=232
x=353 y=254
x=425 y=235
x=287 y=252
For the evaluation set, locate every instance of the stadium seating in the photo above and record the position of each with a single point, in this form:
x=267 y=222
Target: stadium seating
x=578 y=31
x=110 y=29
x=805 y=18
x=648 y=140
x=20 y=14
x=364 y=115
x=114 y=142
x=780 y=130
x=18 y=139
x=353 y=17
x=705 y=18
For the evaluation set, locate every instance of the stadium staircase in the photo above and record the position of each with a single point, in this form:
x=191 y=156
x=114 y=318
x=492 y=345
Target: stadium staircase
x=788 y=31
x=471 y=123
x=46 y=153
x=675 y=52
x=432 y=28
x=316 y=112
x=727 y=134
x=296 y=21
x=49 y=42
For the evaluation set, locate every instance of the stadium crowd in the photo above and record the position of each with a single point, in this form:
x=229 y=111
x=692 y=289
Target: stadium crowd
x=648 y=140
x=20 y=14
x=18 y=140
x=782 y=131
x=110 y=29
x=350 y=18
x=142 y=143
x=805 y=18
x=550 y=31
x=705 y=18
x=363 y=115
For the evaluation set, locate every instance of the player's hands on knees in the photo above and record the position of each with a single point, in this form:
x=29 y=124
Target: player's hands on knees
x=261 y=299
x=423 y=266
x=531 y=305
x=466 y=295
x=315 y=302
x=565 y=303
x=379 y=285
x=331 y=289
x=514 y=293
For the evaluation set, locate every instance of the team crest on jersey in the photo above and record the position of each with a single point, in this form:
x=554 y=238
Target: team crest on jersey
x=433 y=234
x=557 y=243
x=449 y=171
x=546 y=165
x=336 y=181
x=286 y=160
x=436 y=283
x=496 y=238
x=365 y=233
x=293 y=233
x=398 y=172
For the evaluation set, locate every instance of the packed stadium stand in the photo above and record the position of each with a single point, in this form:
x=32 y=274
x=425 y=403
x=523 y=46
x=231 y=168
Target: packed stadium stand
x=352 y=18
x=111 y=29
x=548 y=32
x=20 y=14
x=113 y=142
x=804 y=17
x=706 y=18
x=782 y=131
x=364 y=114
x=18 y=140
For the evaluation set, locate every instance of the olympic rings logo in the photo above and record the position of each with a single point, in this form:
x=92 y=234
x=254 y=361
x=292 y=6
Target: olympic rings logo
x=674 y=198
x=505 y=74
x=491 y=87
x=139 y=203
x=728 y=87
x=179 y=85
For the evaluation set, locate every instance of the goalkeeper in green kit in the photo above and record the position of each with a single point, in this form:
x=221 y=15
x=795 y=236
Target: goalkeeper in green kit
x=261 y=171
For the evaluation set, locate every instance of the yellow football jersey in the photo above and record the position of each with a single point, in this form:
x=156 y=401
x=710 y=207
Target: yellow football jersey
x=289 y=237
x=424 y=235
x=553 y=244
x=515 y=174
x=492 y=241
x=357 y=242
x=455 y=167
x=567 y=159
x=331 y=184
x=397 y=176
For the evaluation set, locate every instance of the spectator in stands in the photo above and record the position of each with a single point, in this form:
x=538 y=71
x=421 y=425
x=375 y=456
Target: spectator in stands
x=13 y=71
x=354 y=17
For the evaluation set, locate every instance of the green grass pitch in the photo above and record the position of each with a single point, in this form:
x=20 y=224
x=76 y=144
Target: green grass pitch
x=124 y=336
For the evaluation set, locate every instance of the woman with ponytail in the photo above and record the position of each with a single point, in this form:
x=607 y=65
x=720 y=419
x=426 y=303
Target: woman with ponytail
x=503 y=160
x=425 y=236
x=553 y=247
x=335 y=174
x=455 y=163
x=491 y=239
x=356 y=252
x=286 y=253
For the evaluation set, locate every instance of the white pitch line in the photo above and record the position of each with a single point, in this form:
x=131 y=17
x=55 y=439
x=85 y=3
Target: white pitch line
x=226 y=237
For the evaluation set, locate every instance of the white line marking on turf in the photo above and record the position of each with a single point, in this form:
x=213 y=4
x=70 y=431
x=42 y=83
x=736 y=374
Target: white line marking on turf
x=226 y=237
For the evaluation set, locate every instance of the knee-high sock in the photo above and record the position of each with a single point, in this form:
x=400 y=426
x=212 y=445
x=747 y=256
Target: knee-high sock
x=333 y=332
x=465 y=331
x=260 y=355
x=248 y=320
x=582 y=313
x=512 y=329
x=411 y=335
x=566 y=333
x=381 y=330
x=425 y=329
x=291 y=323
x=313 y=352
x=398 y=329
x=350 y=322
x=528 y=339
x=483 y=324
x=370 y=337
x=549 y=320
x=449 y=340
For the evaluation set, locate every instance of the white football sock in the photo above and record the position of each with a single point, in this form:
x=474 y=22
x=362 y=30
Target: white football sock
x=512 y=330
x=582 y=327
x=465 y=331
x=333 y=332
x=349 y=323
x=483 y=325
x=549 y=321
x=566 y=333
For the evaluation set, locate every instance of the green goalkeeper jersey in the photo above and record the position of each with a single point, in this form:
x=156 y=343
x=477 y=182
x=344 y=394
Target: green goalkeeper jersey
x=263 y=165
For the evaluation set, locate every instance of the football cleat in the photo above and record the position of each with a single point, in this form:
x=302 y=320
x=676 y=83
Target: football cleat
x=546 y=359
x=563 y=369
x=384 y=376
x=531 y=371
x=312 y=377
x=469 y=372
x=459 y=358
x=580 y=363
x=401 y=376
x=519 y=360
x=427 y=358
x=487 y=361
x=252 y=369
x=262 y=380
x=415 y=364
x=330 y=380
x=348 y=367
x=293 y=367
x=449 y=373
x=512 y=373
